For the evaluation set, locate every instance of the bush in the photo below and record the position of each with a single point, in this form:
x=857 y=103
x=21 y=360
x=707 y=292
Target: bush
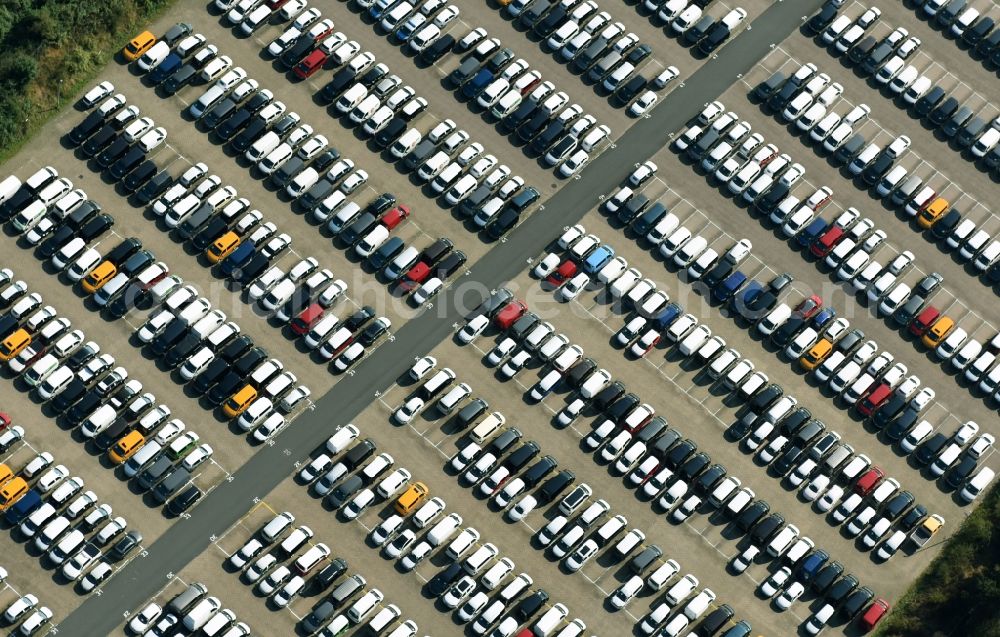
x=959 y=592
x=53 y=49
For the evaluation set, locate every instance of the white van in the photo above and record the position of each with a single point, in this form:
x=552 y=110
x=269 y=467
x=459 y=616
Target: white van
x=351 y=98
x=783 y=540
x=406 y=143
x=487 y=428
x=31 y=215
x=141 y=458
x=444 y=529
x=8 y=187
x=262 y=147
x=697 y=606
x=774 y=319
x=208 y=100
x=98 y=421
x=365 y=605
x=977 y=484
x=548 y=622
x=201 y=613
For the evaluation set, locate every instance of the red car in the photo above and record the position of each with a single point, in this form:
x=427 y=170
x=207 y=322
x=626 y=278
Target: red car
x=4 y=421
x=563 y=273
x=873 y=401
x=924 y=320
x=867 y=482
x=510 y=313
x=809 y=307
x=310 y=64
x=874 y=614
x=827 y=241
x=276 y=4
x=417 y=275
x=395 y=216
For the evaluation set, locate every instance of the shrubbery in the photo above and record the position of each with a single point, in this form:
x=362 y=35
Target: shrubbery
x=51 y=49
x=959 y=593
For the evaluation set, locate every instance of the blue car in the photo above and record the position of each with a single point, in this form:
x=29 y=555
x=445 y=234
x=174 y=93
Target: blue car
x=667 y=316
x=746 y=296
x=598 y=258
x=475 y=86
x=165 y=68
x=725 y=290
x=824 y=316
x=406 y=31
x=239 y=258
x=812 y=564
x=813 y=231
x=24 y=507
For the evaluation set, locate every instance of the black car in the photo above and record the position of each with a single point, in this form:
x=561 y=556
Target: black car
x=912 y=518
x=750 y=515
x=251 y=133
x=249 y=361
x=296 y=52
x=716 y=36
x=825 y=577
x=902 y=425
x=358 y=229
x=358 y=320
x=154 y=187
x=622 y=406
x=679 y=453
x=213 y=230
x=436 y=586
x=503 y=223
x=124 y=546
x=849 y=342
x=715 y=620
x=322 y=580
x=253 y=269
x=765 y=397
x=180 y=78
x=743 y=426
x=522 y=456
x=233 y=124
x=718 y=274
x=215 y=371
x=794 y=421
x=236 y=348
x=83 y=407
x=709 y=478
x=113 y=152
x=822 y=20
x=342 y=79
x=171 y=334
x=767 y=528
x=181 y=350
x=96 y=227
x=86 y=128
x=841 y=589
x=184 y=501
x=450 y=264
x=100 y=140
x=530 y=605
x=856 y=602
x=376 y=330
x=878 y=169
x=539 y=470
x=609 y=394
x=471 y=412
x=437 y=50
x=392 y=131
x=579 y=372
x=554 y=486
x=694 y=465
x=67 y=397
x=139 y=176
x=318 y=617
x=944 y=111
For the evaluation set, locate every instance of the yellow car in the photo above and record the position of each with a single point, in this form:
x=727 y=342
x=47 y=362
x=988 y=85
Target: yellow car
x=816 y=354
x=139 y=45
x=222 y=247
x=930 y=215
x=938 y=331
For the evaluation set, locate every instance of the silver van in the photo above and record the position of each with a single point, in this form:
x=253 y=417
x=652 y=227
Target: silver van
x=347 y=588
x=402 y=263
x=187 y=599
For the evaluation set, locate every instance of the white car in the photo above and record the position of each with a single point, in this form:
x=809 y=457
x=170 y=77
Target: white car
x=473 y=328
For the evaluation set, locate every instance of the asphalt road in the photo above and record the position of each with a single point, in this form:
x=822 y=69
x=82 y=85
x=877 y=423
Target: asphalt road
x=186 y=539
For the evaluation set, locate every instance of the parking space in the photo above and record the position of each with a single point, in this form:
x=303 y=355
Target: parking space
x=968 y=291
x=701 y=537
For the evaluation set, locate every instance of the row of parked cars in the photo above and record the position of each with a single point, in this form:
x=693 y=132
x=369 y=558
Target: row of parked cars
x=878 y=168
x=973 y=26
x=59 y=221
x=26 y=608
x=910 y=307
x=221 y=363
x=483 y=465
x=823 y=345
x=193 y=609
x=73 y=534
x=887 y=61
x=268 y=565
x=518 y=97
x=84 y=386
x=655 y=471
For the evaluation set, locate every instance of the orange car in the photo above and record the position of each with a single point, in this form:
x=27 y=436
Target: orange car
x=139 y=45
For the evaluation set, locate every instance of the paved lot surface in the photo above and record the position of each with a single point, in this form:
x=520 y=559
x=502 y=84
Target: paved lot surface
x=688 y=400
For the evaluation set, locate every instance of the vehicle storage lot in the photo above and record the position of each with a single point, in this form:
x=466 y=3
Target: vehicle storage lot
x=704 y=544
